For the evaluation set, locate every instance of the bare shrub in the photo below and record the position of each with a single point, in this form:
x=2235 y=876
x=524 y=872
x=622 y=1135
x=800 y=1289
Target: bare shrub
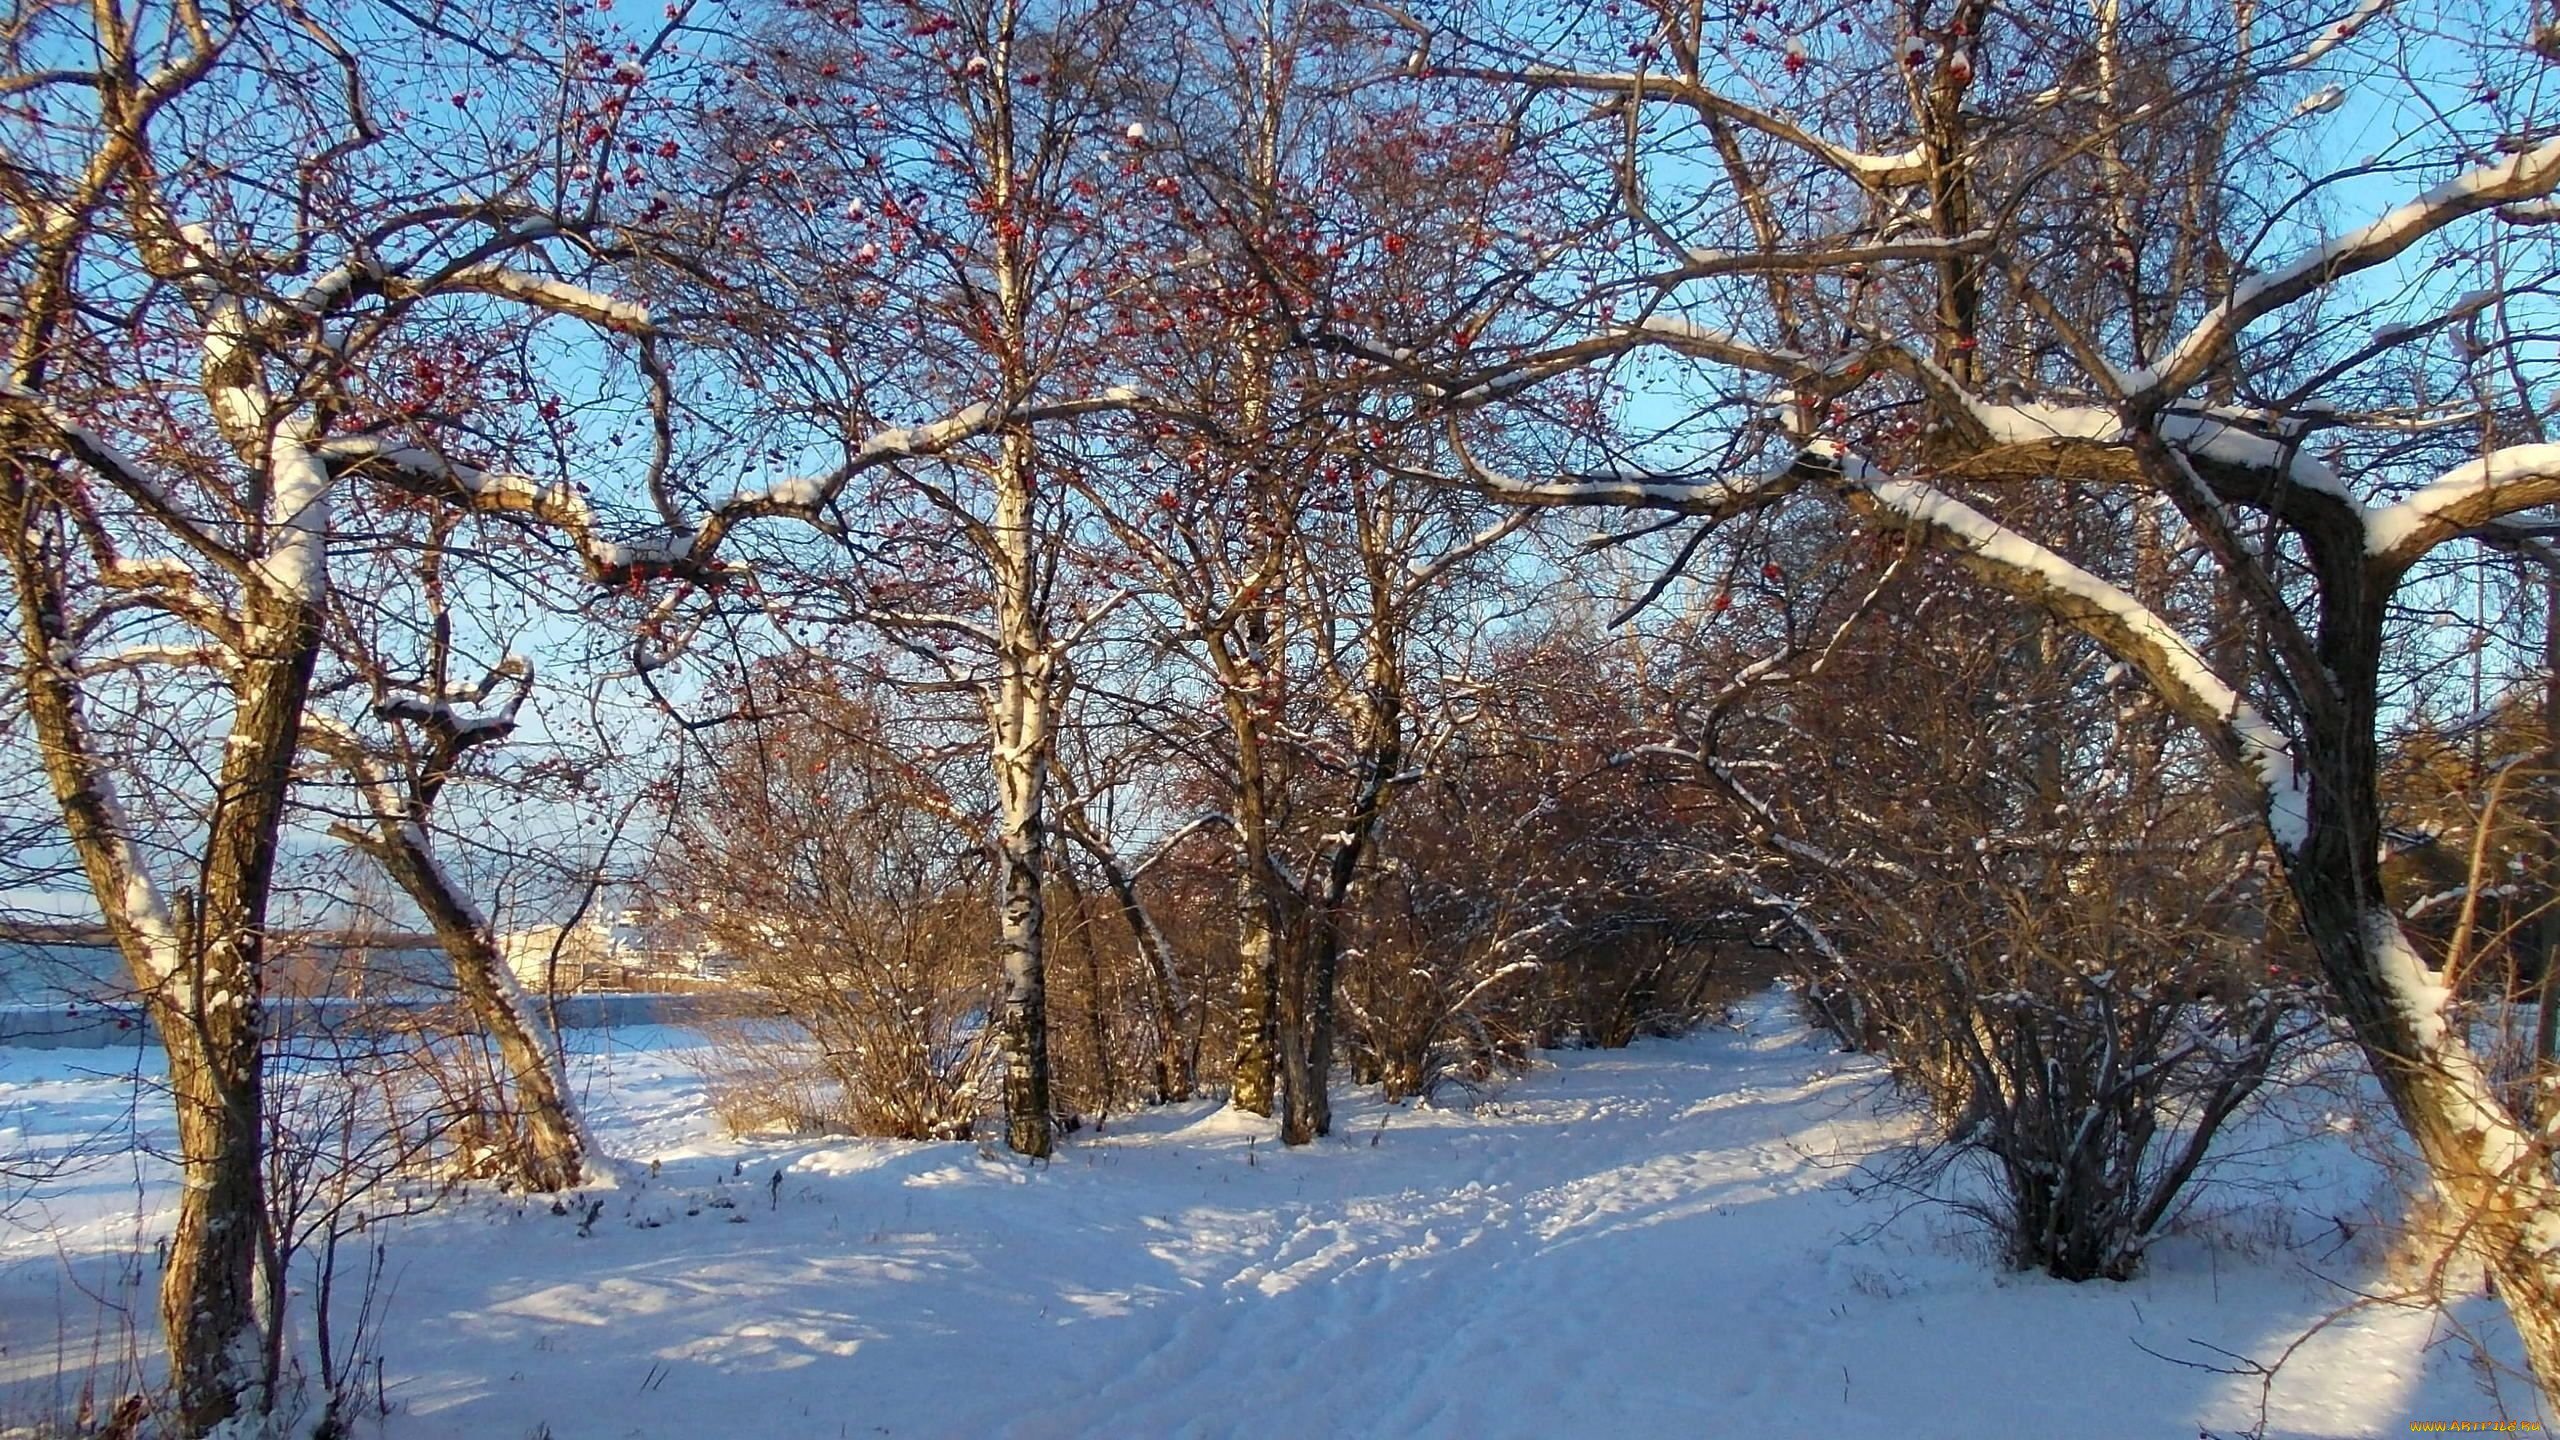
x=1432 y=1007
x=1106 y=1045
x=770 y=1077
x=1536 y=889
x=2050 y=922
x=842 y=885
x=357 y=1132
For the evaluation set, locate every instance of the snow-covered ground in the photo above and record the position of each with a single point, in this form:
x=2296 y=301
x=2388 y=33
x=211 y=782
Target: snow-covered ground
x=1674 y=1239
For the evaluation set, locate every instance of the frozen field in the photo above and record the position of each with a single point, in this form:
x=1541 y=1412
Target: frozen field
x=1675 y=1239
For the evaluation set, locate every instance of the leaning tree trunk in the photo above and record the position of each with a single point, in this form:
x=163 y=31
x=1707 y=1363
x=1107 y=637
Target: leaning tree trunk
x=1164 y=986
x=548 y=1153
x=1097 y=1008
x=2493 y=1174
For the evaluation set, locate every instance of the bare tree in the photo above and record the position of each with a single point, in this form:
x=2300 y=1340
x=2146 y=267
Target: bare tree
x=233 y=274
x=928 y=211
x=427 y=724
x=1256 y=489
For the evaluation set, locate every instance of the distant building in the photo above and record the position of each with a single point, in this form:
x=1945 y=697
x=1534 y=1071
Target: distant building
x=615 y=950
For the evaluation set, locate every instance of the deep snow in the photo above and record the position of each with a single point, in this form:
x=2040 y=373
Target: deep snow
x=1674 y=1239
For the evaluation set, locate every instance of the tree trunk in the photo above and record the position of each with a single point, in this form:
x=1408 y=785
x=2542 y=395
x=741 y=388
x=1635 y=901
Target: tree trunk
x=1164 y=986
x=2493 y=1175
x=211 y=1021
x=1164 y=992
x=548 y=1153
x=208 y=1293
x=1258 y=988
x=1261 y=992
x=1020 y=761
x=1308 y=1010
x=1022 y=1023
x=1324 y=968
x=1022 y=700
x=2546 y=1020
x=1304 y=1112
x=1311 y=1026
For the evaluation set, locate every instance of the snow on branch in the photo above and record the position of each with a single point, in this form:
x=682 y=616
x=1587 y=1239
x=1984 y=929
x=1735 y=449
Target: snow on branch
x=1627 y=488
x=297 y=562
x=2125 y=626
x=335 y=738
x=1776 y=835
x=1423 y=574
x=682 y=548
x=2423 y=1002
x=1517 y=969
x=208 y=656
x=2210 y=435
x=1164 y=848
x=131 y=896
x=1670 y=332
x=458 y=728
x=1701 y=264
x=806 y=496
x=553 y=503
x=86 y=447
x=2517 y=477
x=557 y=296
x=2527 y=176
x=2337 y=34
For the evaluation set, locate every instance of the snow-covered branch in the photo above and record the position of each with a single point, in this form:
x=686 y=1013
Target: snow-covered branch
x=2529 y=175
x=207 y=656
x=1423 y=574
x=2133 y=632
x=1634 y=490
x=2517 y=477
x=1670 y=332
x=559 y=297
x=555 y=504
x=1701 y=264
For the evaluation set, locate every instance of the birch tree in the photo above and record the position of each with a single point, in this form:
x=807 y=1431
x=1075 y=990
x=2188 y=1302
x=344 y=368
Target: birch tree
x=1949 y=254
x=927 y=204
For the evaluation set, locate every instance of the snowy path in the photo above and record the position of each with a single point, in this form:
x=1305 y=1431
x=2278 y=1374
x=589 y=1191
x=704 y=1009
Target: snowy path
x=1660 y=1241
